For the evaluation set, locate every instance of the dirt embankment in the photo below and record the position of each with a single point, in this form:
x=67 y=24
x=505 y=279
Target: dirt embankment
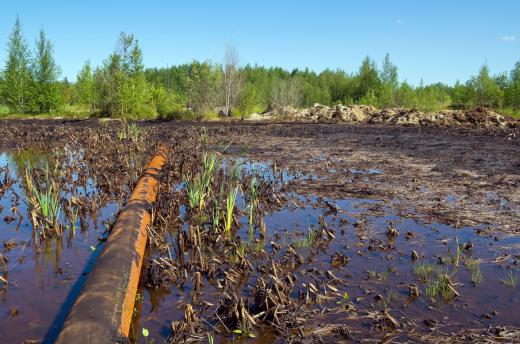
x=477 y=117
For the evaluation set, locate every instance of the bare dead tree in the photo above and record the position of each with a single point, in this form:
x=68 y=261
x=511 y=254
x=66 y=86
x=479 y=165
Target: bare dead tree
x=287 y=93
x=232 y=80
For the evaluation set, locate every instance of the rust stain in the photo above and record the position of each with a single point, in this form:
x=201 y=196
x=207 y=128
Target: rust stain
x=103 y=310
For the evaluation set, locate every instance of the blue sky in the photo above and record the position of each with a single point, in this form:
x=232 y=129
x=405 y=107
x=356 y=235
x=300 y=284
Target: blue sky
x=434 y=40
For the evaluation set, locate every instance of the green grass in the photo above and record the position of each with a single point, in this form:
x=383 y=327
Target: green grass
x=511 y=280
x=198 y=186
x=424 y=270
x=510 y=112
x=439 y=285
x=44 y=200
x=129 y=131
x=309 y=240
x=253 y=198
x=436 y=280
x=230 y=207
x=473 y=266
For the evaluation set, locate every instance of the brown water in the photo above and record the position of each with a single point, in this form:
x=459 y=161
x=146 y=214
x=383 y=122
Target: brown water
x=44 y=275
x=376 y=277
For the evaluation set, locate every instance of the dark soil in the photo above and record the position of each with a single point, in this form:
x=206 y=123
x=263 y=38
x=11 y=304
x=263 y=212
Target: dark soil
x=376 y=193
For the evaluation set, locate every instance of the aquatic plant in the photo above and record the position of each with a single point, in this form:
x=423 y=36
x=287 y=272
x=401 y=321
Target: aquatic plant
x=253 y=198
x=473 y=266
x=424 y=270
x=198 y=186
x=455 y=257
x=310 y=239
x=43 y=201
x=217 y=210
x=440 y=285
x=230 y=206
x=511 y=280
x=73 y=218
x=129 y=132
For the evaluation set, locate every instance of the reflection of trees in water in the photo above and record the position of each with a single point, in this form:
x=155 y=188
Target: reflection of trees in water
x=34 y=158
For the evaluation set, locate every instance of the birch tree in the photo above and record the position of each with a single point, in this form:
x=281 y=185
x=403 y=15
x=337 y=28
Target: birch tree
x=232 y=78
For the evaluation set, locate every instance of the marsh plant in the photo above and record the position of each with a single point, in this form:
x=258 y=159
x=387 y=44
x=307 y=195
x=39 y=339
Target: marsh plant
x=130 y=132
x=217 y=209
x=43 y=200
x=440 y=285
x=424 y=270
x=437 y=281
x=253 y=200
x=473 y=266
x=198 y=185
x=309 y=240
x=230 y=207
x=511 y=280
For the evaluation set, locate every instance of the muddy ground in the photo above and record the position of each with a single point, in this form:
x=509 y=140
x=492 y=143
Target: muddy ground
x=465 y=178
x=457 y=176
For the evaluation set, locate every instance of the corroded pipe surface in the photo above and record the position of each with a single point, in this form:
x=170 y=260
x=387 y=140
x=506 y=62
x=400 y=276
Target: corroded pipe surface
x=103 y=310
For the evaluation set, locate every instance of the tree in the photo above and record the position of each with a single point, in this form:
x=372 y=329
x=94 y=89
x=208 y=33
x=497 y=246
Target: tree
x=367 y=79
x=487 y=93
x=17 y=76
x=287 y=92
x=406 y=96
x=389 y=73
x=232 y=79
x=512 y=92
x=121 y=85
x=389 y=84
x=203 y=82
x=47 y=95
x=85 y=87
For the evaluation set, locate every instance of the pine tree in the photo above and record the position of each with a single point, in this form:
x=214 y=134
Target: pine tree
x=17 y=83
x=45 y=73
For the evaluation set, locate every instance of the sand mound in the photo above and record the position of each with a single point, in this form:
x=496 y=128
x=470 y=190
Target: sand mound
x=477 y=117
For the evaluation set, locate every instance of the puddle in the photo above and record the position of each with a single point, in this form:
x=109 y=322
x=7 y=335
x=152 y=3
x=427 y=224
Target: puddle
x=375 y=270
x=42 y=272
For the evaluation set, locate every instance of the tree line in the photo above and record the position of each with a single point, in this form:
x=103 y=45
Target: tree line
x=121 y=86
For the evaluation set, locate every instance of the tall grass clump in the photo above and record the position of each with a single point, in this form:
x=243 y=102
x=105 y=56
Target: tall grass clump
x=473 y=266
x=230 y=207
x=43 y=199
x=234 y=177
x=511 y=280
x=309 y=240
x=253 y=199
x=130 y=132
x=198 y=186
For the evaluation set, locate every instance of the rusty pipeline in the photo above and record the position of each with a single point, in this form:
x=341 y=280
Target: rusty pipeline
x=102 y=313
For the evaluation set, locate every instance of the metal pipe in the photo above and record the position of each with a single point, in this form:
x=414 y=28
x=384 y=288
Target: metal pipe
x=102 y=313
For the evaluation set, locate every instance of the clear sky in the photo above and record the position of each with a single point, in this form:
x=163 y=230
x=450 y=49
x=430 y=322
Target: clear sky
x=434 y=40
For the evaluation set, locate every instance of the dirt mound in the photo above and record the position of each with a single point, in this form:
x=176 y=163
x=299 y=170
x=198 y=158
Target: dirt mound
x=477 y=117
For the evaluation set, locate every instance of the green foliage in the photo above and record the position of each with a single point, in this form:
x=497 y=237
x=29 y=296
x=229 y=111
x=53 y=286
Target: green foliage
x=309 y=240
x=120 y=83
x=122 y=87
x=169 y=104
x=48 y=97
x=249 y=101
x=17 y=85
x=198 y=186
x=367 y=80
x=129 y=131
x=473 y=266
x=203 y=82
x=511 y=280
x=43 y=200
x=484 y=89
x=85 y=88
